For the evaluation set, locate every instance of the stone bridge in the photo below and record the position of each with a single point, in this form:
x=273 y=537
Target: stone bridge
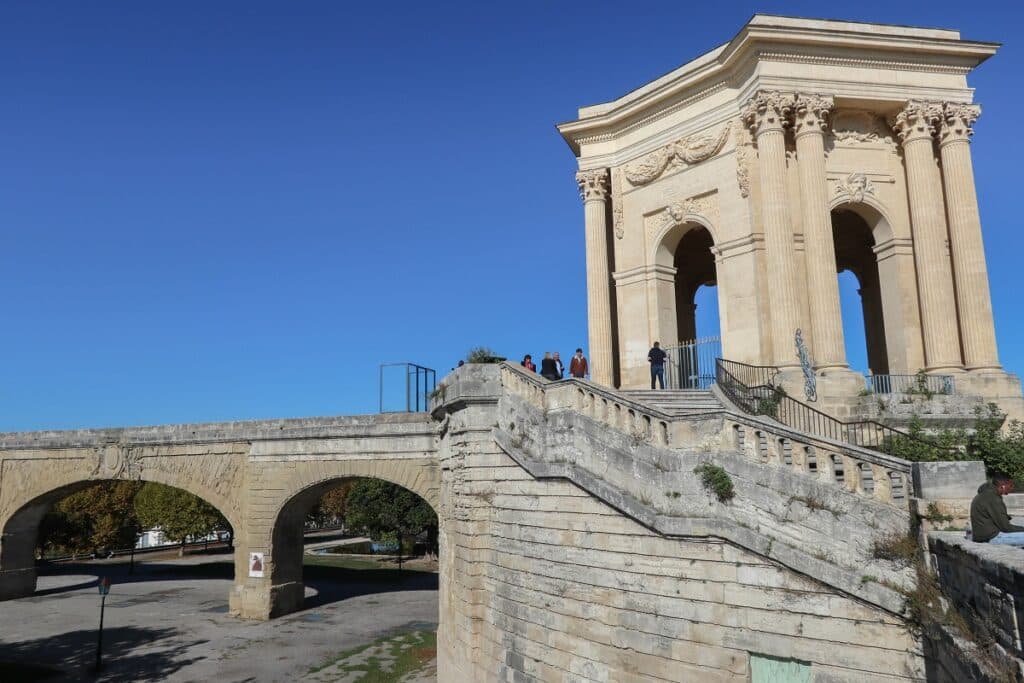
x=263 y=476
x=576 y=541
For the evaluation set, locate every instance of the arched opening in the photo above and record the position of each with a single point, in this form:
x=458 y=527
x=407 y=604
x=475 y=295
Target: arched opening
x=106 y=519
x=696 y=286
x=860 y=291
x=689 y=325
x=398 y=520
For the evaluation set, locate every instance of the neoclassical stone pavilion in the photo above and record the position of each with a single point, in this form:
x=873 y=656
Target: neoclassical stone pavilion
x=798 y=149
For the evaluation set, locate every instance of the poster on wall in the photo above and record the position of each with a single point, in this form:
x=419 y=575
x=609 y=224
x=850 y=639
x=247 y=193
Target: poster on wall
x=256 y=565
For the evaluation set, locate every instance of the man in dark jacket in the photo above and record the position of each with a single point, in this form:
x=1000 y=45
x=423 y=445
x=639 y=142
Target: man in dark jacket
x=656 y=357
x=989 y=521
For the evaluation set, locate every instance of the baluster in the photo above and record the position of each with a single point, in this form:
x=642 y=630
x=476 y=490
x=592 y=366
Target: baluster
x=851 y=474
x=883 y=485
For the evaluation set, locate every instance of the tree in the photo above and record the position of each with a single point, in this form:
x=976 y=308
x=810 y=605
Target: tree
x=179 y=514
x=385 y=511
x=331 y=507
x=98 y=517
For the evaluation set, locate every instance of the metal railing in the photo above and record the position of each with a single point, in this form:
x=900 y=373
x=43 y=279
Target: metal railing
x=418 y=382
x=909 y=384
x=691 y=365
x=764 y=397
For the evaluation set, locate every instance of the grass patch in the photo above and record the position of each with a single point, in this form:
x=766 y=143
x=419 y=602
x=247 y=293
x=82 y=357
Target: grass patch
x=815 y=504
x=899 y=548
x=387 y=659
x=716 y=480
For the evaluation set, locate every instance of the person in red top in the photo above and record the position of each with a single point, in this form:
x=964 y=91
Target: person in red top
x=578 y=365
x=528 y=363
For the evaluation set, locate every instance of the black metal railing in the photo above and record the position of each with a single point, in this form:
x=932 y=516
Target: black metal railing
x=405 y=387
x=762 y=396
x=909 y=384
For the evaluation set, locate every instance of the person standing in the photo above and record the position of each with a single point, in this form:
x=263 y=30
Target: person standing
x=547 y=367
x=578 y=365
x=558 y=366
x=528 y=363
x=656 y=357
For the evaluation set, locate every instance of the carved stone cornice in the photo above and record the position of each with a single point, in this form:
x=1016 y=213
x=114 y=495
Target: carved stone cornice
x=811 y=113
x=916 y=120
x=684 y=151
x=593 y=184
x=768 y=110
x=958 y=122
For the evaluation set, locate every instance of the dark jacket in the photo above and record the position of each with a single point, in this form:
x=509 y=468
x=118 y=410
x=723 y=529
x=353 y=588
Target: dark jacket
x=656 y=356
x=548 y=369
x=988 y=515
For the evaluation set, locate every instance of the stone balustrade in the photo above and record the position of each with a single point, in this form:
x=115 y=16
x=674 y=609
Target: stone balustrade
x=859 y=470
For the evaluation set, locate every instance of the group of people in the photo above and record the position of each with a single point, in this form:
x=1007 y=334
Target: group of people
x=552 y=368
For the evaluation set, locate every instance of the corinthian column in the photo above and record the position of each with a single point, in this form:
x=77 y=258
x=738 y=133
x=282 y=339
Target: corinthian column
x=767 y=114
x=811 y=119
x=972 y=296
x=915 y=125
x=594 y=192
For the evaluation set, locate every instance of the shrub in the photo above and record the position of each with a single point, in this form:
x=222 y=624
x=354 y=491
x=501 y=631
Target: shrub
x=482 y=354
x=716 y=480
x=899 y=548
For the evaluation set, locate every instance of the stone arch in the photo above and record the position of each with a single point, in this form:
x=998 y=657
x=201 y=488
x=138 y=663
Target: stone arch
x=280 y=530
x=860 y=229
x=667 y=238
x=37 y=488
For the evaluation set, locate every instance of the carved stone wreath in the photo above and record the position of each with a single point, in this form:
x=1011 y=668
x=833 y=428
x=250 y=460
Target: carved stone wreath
x=114 y=461
x=688 y=150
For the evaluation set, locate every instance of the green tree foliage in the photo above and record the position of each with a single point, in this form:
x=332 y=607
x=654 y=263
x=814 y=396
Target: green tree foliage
x=179 y=514
x=330 y=509
x=98 y=517
x=387 y=512
x=1002 y=451
x=483 y=354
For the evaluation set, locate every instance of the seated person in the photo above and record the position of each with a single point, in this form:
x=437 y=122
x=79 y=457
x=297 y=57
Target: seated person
x=989 y=521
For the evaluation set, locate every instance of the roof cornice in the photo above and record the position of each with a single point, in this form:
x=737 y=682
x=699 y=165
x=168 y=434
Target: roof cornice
x=771 y=38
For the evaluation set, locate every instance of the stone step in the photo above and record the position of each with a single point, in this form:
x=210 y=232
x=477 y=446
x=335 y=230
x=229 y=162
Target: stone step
x=676 y=402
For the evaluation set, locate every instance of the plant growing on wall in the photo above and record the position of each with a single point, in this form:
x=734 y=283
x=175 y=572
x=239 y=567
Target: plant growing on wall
x=716 y=480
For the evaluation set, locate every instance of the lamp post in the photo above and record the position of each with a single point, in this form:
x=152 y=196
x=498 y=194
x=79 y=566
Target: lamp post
x=104 y=586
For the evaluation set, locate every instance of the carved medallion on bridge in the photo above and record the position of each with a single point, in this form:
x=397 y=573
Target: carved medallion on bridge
x=115 y=461
x=860 y=127
x=854 y=187
x=683 y=152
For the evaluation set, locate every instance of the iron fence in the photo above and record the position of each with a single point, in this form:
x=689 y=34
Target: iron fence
x=691 y=365
x=763 y=397
x=405 y=387
x=909 y=384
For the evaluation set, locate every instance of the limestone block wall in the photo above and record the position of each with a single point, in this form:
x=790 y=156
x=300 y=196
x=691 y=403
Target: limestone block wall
x=545 y=580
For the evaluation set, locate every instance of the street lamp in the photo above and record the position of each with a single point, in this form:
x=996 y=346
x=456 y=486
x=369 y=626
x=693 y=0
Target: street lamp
x=104 y=586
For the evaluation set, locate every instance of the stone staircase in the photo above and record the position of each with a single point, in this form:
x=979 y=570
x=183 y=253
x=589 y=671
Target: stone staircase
x=676 y=402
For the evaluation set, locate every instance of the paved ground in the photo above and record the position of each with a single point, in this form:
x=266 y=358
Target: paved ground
x=169 y=622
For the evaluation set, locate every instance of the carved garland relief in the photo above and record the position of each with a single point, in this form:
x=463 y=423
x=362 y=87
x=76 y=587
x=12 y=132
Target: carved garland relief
x=704 y=206
x=684 y=151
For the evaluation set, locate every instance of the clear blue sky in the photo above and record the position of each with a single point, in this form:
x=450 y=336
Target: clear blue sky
x=238 y=209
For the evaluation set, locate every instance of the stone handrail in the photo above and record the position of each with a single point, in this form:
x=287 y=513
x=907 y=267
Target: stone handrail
x=859 y=470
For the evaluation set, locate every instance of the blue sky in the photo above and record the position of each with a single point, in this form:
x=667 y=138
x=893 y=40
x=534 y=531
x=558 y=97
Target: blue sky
x=239 y=209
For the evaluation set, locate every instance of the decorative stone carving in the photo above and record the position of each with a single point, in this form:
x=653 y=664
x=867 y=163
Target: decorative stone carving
x=916 y=120
x=768 y=110
x=618 y=221
x=852 y=126
x=675 y=214
x=855 y=187
x=689 y=150
x=958 y=122
x=114 y=461
x=743 y=154
x=593 y=184
x=811 y=113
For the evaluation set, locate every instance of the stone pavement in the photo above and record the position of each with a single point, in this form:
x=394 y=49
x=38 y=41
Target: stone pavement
x=169 y=622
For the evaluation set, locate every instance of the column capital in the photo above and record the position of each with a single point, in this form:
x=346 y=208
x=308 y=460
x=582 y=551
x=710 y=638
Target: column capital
x=768 y=110
x=811 y=113
x=593 y=184
x=916 y=120
x=957 y=122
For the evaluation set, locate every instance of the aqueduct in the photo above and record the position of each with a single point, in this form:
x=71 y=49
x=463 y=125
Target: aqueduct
x=578 y=541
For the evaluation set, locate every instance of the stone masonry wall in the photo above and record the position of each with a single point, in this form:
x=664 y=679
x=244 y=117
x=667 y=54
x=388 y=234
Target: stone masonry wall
x=543 y=581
